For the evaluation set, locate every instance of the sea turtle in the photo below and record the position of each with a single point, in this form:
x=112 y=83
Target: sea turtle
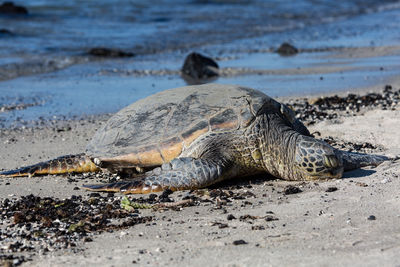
x=195 y=136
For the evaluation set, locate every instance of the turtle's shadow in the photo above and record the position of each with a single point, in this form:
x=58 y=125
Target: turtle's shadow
x=243 y=182
x=358 y=173
x=261 y=179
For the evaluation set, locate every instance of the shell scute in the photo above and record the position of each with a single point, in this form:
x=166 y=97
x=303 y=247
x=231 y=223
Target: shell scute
x=225 y=120
x=194 y=132
x=171 y=148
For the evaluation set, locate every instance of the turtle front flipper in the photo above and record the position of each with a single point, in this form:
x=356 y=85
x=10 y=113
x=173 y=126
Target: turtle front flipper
x=66 y=164
x=354 y=160
x=179 y=174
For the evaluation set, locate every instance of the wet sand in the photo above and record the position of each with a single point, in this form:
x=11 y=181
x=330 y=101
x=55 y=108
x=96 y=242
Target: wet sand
x=96 y=87
x=249 y=222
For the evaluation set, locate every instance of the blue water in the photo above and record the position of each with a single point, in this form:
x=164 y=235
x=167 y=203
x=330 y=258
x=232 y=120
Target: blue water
x=45 y=61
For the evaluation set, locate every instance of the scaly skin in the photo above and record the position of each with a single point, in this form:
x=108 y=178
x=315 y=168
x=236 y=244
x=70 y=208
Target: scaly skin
x=79 y=163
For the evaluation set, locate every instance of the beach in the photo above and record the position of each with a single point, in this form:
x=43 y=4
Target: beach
x=257 y=221
x=65 y=69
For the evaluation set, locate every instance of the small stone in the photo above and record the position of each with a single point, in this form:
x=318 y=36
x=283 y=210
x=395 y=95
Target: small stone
x=371 y=218
x=270 y=218
x=287 y=49
x=291 y=190
x=239 y=242
x=331 y=189
x=5 y=32
x=230 y=217
x=142 y=251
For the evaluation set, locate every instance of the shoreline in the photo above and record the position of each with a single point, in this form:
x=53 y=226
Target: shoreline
x=86 y=88
x=351 y=221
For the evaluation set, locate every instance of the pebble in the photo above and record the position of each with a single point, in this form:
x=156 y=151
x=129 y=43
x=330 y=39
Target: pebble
x=331 y=189
x=323 y=108
x=239 y=242
x=230 y=217
x=287 y=49
x=40 y=225
x=290 y=189
x=371 y=218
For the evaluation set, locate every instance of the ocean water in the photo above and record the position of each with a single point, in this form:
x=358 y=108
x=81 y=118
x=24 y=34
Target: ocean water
x=46 y=72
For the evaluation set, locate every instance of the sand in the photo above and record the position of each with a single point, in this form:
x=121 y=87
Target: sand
x=314 y=227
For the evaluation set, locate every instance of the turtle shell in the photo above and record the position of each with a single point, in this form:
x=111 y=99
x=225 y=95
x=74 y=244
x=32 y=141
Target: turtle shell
x=156 y=129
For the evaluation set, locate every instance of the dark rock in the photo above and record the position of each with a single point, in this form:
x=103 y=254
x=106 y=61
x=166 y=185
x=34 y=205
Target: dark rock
x=239 y=242
x=164 y=197
x=5 y=32
x=9 y=8
x=371 y=218
x=287 y=49
x=388 y=87
x=109 y=52
x=331 y=189
x=291 y=190
x=87 y=239
x=220 y=225
x=257 y=227
x=270 y=218
x=230 y=217
x=199 y=67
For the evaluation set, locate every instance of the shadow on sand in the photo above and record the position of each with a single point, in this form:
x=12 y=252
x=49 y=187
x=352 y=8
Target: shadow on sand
x=358 y=173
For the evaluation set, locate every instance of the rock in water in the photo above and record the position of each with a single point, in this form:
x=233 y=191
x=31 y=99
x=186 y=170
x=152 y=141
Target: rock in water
x=199 y=67
x=287 y=49
x=10 y=9
x=5 y=32
x=109 y=52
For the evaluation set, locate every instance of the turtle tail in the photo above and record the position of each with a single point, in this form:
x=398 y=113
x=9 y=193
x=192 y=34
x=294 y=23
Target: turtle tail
x=65 y=164
x=354 y=160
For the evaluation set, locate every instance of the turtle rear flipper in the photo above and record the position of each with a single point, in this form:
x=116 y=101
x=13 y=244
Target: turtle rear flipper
x=355 y=160
x=65 y=164
x=179 y=174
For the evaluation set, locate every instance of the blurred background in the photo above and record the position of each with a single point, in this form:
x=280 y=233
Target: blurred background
x=67 y=59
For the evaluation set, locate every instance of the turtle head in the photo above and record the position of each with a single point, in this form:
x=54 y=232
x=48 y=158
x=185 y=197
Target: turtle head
x=315 y=159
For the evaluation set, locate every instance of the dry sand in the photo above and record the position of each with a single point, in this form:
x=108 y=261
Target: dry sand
x=315 y=227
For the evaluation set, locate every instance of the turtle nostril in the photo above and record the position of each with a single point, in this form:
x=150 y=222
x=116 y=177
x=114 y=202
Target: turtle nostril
x=331 y=161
